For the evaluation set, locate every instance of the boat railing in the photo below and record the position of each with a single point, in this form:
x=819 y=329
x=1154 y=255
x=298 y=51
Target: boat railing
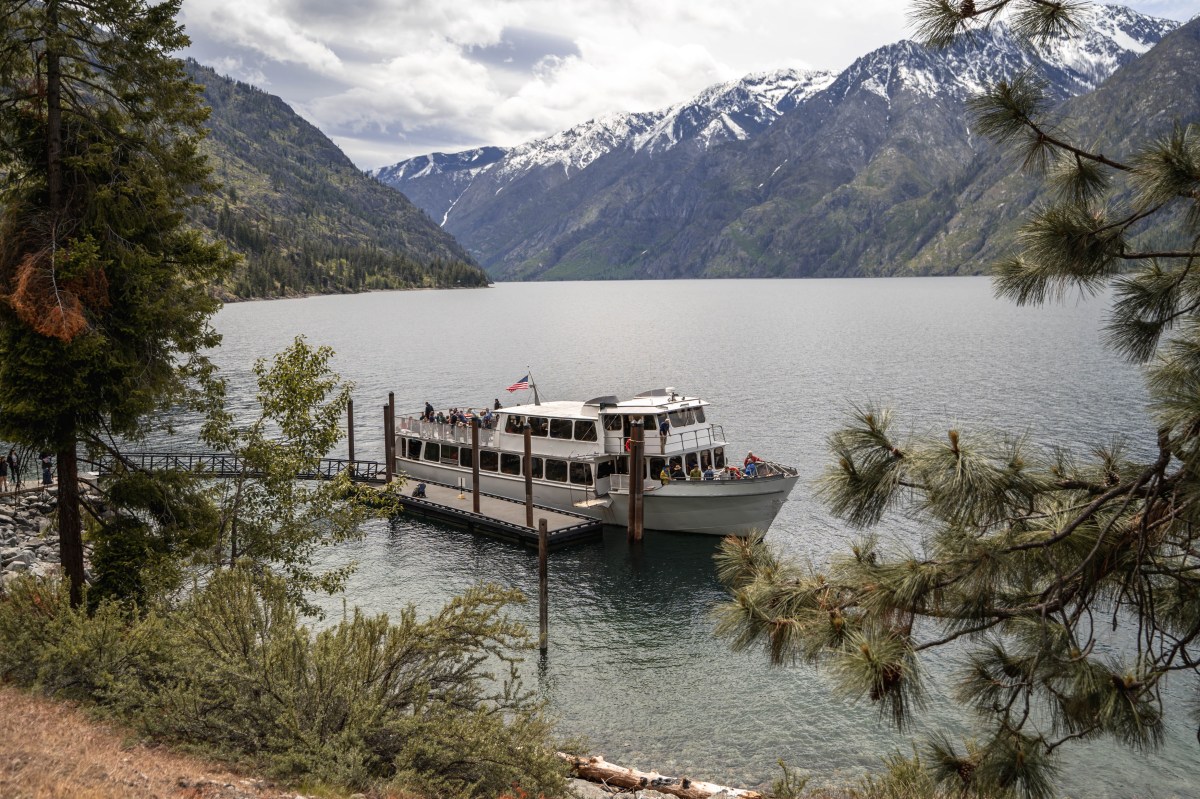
x=683 y=441
x=764 y=470
x=620 y=482
x=446 y=432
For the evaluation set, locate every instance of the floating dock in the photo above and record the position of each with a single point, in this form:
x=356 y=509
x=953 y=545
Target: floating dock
x=499 y=517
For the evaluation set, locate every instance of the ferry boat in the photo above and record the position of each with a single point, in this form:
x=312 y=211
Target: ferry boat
x=580 y=462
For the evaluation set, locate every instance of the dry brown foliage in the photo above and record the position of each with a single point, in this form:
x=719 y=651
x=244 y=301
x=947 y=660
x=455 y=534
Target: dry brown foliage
x=53 y=308
x=52 y=750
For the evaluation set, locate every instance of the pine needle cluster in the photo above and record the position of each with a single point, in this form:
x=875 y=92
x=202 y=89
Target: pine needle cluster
x=1071 y=579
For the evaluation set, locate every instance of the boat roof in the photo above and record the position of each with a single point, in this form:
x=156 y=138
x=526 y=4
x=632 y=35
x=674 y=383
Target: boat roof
x=661 y=399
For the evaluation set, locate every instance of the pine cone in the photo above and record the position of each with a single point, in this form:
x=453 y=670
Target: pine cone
x=967 y=9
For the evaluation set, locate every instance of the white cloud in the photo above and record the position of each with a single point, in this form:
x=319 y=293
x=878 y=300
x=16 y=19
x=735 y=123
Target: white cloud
x=393 y=78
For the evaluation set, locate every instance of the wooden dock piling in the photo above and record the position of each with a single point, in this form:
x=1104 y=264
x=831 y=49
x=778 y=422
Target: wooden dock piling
x=350 y=426
x=475 y=465
x=528 y=475
x=389 y=441
x=543 y=586
x=637 y=481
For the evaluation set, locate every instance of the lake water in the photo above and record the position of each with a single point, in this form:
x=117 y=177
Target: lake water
x=632 y=662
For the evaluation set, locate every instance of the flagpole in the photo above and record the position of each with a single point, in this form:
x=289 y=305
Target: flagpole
x=533 y=385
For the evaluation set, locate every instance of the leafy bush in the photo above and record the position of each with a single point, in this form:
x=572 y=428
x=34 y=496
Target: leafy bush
x=366 y=702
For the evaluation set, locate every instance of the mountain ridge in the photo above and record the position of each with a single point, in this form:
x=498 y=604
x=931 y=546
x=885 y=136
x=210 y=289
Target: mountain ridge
x=854 y=177
x=305 y=219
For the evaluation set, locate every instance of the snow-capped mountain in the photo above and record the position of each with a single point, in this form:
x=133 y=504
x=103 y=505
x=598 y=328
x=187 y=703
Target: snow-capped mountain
x=735 y=110
x=785 y=172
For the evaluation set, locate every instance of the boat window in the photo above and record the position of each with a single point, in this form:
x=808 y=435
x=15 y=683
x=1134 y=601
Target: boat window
x=690 y=462
x=450 y=455
x=622 y=465
x=604 y=469
x=433 y=452
x=678 y=418
x=488 y=460
x=414 y=449
x=513 y=423
x=705 y=460
x=510 y=463
x=656 y=466
x=719 y=457
x=536 y=463
x=561 y=428
x=699 y=413
x=539 y=424
x=581 y=473
x=556 y=470
x=612 y=422
x=676 y=461
x=465 y=456
x=585 y=430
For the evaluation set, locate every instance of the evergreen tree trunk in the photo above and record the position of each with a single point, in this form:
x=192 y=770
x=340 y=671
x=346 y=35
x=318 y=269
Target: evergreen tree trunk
x=70 y=529
x=53 y=125
x=70 y=533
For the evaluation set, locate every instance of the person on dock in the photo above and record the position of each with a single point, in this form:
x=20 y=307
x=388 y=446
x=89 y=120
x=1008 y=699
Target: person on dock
x=419 y=491
x=14 y=467
x=4 y=476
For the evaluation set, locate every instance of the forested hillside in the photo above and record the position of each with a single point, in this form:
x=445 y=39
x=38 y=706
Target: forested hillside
x=303 y=216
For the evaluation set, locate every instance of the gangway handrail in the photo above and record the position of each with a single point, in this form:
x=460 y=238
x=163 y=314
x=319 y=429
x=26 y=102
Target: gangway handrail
x=227 y=464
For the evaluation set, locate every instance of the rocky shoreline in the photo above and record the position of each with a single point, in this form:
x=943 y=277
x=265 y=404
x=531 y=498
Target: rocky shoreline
x=28 y=535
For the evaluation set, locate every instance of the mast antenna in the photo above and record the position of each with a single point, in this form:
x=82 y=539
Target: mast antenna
x=536 y=400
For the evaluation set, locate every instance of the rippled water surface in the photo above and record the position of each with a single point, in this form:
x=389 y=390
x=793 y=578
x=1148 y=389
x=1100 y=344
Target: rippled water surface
x=632 y=662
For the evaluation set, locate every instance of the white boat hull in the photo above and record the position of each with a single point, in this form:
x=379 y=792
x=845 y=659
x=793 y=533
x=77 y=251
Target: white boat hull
x=710 y=507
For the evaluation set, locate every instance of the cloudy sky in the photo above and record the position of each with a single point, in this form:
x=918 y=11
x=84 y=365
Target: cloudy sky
x=388 y=79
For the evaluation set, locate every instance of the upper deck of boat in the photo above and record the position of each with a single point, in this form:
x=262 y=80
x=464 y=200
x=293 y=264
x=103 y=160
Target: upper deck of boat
x=655 y=401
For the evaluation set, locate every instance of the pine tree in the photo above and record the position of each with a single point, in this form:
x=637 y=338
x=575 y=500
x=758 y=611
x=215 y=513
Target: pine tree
x=106 y=304
x=1034 y=560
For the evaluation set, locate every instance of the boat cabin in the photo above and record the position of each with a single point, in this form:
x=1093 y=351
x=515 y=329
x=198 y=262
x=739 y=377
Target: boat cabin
x=576 y=443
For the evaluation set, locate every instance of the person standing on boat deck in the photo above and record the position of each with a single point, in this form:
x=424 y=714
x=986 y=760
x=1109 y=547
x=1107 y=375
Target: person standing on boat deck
x=496 y=405
x=664 y=476
x=751 y=458
x=708 y=473
x=677 y=472
x=428 y=411
x=664 y=430
x=694 y=474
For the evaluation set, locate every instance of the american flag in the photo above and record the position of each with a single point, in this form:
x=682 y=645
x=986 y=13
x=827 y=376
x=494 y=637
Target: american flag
x=520 y=385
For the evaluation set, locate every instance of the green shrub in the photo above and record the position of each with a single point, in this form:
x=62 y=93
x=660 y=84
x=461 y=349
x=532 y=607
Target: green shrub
x=364 y=703
x=65 y=652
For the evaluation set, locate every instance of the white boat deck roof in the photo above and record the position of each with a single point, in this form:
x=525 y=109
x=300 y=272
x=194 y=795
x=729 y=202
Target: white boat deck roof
x=655 y=401
x=557 y=408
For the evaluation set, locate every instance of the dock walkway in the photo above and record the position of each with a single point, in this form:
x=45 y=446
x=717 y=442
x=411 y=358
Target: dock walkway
x=499 y=517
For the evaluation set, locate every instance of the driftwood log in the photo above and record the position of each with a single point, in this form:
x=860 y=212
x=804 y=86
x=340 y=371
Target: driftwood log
x=597 y=769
